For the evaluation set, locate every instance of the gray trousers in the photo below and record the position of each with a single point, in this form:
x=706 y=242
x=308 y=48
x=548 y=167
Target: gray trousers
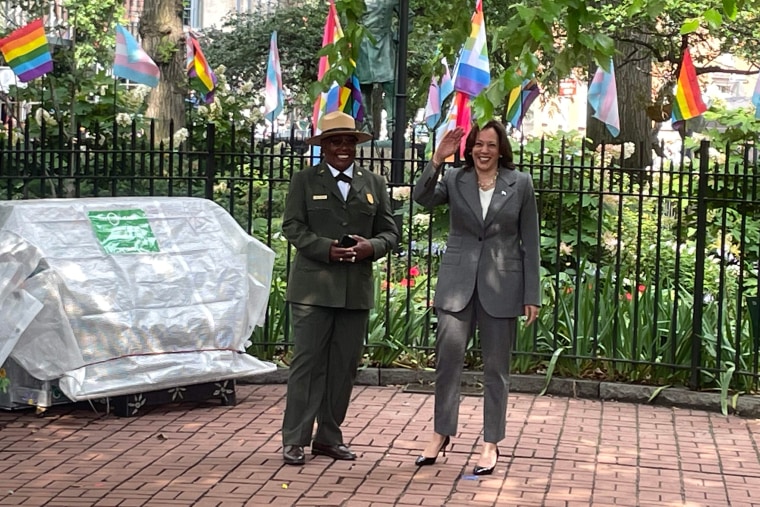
x=328 y=347
x=497 y=337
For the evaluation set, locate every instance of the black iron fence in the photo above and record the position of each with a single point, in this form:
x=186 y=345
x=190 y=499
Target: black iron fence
x=649 y=273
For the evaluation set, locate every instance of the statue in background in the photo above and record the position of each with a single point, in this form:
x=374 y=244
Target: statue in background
x=377 y=61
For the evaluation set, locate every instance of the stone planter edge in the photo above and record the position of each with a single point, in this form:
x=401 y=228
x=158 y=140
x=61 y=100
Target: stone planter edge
x=677 y=397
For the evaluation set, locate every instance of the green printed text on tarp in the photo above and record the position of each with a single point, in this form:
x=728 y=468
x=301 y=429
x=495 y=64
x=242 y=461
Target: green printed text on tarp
x=123 y=231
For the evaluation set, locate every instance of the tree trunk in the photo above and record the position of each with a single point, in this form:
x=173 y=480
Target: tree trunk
x=163 y=39
x=633 y=74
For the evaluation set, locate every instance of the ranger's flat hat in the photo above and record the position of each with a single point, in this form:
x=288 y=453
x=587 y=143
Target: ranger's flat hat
x=338 y=123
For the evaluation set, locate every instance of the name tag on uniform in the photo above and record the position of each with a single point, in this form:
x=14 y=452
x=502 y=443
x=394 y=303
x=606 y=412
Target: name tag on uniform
x=319 y=197
x=370 y=199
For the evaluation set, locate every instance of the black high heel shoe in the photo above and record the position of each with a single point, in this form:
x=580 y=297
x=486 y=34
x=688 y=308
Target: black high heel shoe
x=423 y=461
x=486 y=470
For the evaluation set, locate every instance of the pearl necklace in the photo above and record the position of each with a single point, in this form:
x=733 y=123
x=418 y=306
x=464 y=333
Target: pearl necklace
x=489 y=184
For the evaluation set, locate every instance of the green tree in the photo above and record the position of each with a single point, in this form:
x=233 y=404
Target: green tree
x=552 y=38
x=163 y=37
x=649 y=39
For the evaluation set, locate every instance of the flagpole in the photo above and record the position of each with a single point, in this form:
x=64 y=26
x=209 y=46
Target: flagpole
x=16 y=110
x=681 y=128
x=398 y=146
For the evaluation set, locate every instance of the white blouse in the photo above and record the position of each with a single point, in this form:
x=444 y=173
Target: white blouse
x=485 y=200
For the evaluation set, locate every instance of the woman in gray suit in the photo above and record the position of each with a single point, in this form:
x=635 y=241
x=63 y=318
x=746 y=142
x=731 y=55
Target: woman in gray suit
x=488 y=277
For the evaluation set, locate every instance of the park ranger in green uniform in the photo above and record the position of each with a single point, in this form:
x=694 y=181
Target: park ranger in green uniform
x=338 y=217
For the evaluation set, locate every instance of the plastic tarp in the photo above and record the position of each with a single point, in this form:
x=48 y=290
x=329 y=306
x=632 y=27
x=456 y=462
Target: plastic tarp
x=116 y=296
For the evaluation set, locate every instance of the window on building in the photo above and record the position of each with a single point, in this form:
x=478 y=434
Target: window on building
x=191 y=13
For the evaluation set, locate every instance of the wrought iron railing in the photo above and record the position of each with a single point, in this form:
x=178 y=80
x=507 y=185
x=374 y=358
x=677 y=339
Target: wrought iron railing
x=648 y=273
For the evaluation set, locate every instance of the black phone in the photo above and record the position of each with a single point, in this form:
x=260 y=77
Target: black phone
x=347 y=241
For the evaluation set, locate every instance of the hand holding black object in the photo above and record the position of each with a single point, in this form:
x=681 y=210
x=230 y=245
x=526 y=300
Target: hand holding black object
x=347 y=241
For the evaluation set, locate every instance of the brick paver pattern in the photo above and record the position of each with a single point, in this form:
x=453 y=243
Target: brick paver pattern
x=558 y=452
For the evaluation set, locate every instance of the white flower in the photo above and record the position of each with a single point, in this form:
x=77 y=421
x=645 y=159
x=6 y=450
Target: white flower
x=230 y=99
x=421 y=219
x=123 y=119
x=43 y=116
x=141 y=91
x=400 y=193
x=610 y=241
x=39 y=115
x=247 y=87
x=202 y=110
x=180 y=136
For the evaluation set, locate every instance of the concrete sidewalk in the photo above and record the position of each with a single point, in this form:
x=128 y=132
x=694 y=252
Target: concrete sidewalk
x=558 y=452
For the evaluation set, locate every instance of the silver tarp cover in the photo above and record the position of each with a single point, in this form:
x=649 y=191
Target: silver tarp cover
x=124 y=295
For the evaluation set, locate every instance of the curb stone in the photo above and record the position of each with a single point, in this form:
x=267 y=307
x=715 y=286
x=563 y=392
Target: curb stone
x=746 y=406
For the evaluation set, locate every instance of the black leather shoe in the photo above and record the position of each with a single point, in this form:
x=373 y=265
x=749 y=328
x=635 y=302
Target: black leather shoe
x=339 y=451
x=422 y=461
x=293 y=455
x=486 y=470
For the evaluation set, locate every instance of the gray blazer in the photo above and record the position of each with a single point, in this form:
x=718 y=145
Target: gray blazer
x=500 y=253
x=315 y=215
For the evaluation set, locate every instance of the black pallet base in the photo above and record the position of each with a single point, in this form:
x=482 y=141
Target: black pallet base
x=130 y=405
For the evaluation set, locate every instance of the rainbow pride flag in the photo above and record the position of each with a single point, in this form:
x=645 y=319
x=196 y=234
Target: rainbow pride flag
x=202 y=78
x=26 y=51
x=346 y=98
x=519 y=101
x=471 y=75
x=132 y=62
x=352 y=103
x=688 y=100
x=473 y=69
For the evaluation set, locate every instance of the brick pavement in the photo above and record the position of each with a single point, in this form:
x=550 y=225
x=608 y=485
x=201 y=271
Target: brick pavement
x=558 y=452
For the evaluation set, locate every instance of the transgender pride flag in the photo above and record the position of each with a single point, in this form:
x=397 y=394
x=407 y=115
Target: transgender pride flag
x=447 y=86
x=132 y=62
x=273 y=96
x=433 y=105
x=603 y=99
